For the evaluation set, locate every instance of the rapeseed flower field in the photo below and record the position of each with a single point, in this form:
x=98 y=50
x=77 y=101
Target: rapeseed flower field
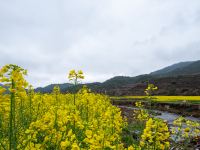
x=72 y=121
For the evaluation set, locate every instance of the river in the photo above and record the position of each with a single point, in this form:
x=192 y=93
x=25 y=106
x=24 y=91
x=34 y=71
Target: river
x=169 y=117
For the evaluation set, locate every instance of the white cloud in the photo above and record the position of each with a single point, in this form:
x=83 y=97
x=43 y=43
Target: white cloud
x=103 y=38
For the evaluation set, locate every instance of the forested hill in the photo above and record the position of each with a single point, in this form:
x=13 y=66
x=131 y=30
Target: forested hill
x=178 y=79
x=182 y=68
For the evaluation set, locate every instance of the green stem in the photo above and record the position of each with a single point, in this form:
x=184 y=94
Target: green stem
x=30 y=107
x=56 y=114
x=75 y=83
x=87 y=112
x=12 y=125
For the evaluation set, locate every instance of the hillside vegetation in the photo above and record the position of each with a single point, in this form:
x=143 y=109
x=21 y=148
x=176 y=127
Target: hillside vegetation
x=178 y=79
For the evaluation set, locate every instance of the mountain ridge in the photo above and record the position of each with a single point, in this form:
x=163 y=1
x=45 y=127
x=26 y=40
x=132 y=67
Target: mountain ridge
x=187 y=70
x=182 y=68
x=171 y=68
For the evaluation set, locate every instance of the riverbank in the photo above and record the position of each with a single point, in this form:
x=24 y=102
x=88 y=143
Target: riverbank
x=183 y=109
x=128 y=112
x=133 y=127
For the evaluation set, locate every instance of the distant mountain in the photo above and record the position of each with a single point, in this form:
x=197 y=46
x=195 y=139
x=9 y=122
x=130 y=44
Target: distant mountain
x=49 y=88
x=120 y=81
x=190 y=69
x=183 y=75
x=182 y=68
x=172 y=85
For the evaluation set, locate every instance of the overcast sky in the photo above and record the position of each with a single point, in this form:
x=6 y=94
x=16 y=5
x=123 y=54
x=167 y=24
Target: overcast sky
x=104 y=38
